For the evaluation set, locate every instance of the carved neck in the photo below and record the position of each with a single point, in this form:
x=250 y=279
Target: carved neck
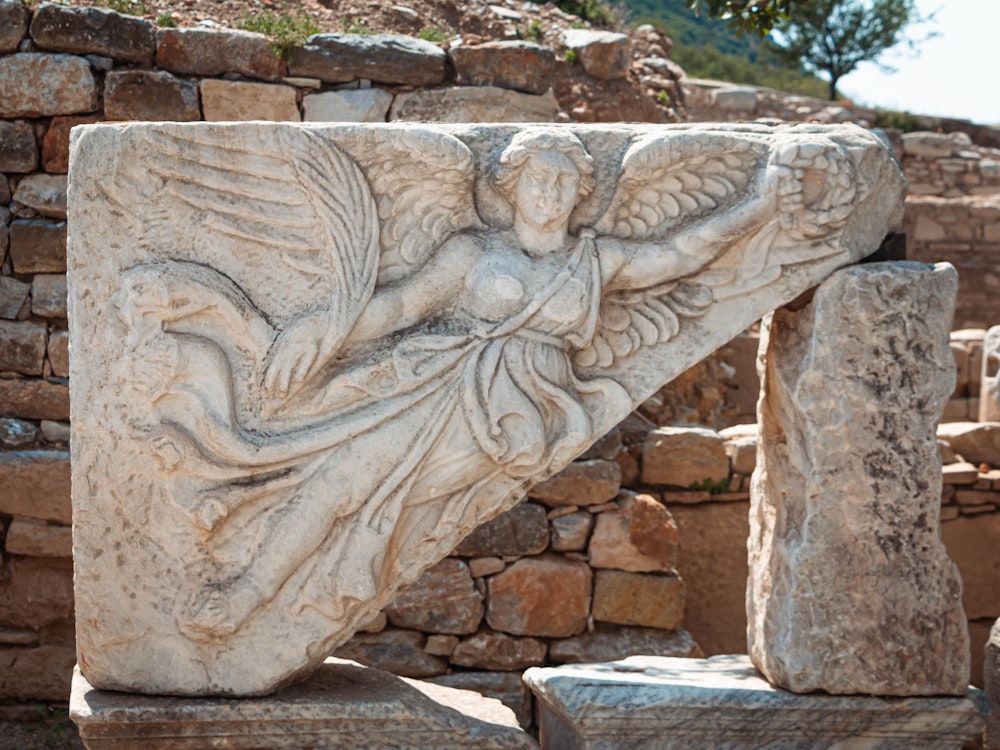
x=540 y=240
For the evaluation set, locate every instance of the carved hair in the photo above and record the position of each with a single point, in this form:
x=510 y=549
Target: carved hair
x=527 y=143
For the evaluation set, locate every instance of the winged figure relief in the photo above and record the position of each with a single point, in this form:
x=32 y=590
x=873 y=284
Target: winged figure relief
x=433 y=366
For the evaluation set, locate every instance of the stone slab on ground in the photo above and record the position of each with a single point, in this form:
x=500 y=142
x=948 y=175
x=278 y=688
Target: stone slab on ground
x=647 y=702
x=342 y=705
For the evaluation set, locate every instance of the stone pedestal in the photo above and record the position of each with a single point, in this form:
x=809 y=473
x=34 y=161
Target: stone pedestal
x=341 y=705
x=850 y=588
x=647 y=702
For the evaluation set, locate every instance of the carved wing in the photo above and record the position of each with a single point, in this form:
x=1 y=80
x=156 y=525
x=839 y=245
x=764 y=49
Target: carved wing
x=669 y=180
x=424 y=183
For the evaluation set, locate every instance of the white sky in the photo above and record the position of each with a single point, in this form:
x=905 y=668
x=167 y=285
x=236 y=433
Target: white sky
x=955 y=74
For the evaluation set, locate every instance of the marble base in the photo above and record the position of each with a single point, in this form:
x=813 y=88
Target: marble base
x=647 y=702
x=341 y=705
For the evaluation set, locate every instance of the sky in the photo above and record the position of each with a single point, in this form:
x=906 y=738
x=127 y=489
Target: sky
x=955 y=74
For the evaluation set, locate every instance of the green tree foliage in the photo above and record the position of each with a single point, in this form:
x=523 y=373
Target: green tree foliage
x=753 y=16
x=834 y=36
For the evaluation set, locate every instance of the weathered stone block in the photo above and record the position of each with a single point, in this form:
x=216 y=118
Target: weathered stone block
x=397 y=651
x=682 y=456
x=18 y=149
x=522 y=530
x=542 y=596
x=45 y=193
x=928 y=145
x=93 y=31
x=735 y=99
x=36 y=674
x=385 y=58
x=496 y=651
x=645 y=599
x=522 y=66
x=603 y=54
x=976 y=442
x=506 y=687
x=742 y=451
x=38 y=246
x=39 y=85
x=149 y=95
x=238 y=100
x=16 y=433
x=362 y=105
x=13 y=26
x=55 y=432
x=34 y=399
x=974 y=545
x=640 y=536
x=581 y=483
x=611 y=643
x=214 y=52
x=570 y=533
x=48 y=295
x=474 y=104
x=58 y=353
x=55 y=144
x=36 y=592
x=443 y=600
x=36 y=485
x=38 y=539
x=13 y=296
x=22 y=347
x=845 y=546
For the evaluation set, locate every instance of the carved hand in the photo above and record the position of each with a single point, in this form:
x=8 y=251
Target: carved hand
x=298 y=352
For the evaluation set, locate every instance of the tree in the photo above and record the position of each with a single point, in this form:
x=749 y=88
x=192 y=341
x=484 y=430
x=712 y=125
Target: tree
x=834 y=36
x=749 y=16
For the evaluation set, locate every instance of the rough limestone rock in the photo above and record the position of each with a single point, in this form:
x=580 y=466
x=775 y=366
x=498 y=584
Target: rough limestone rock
x=22 y=347
x=682 y=456
x=506 y=687
x=48 y=295
x=522 y=530
x=541 y=596
x=639 y=536
x=989 y=383
x=362 y=105
x=851 y=589
x=149 y=95
x=603 y=54
x=18 y=148
x=570 y=533
x=976 y=442
x=55 y=143
x=385 y=58
x=40 y=85
x=36 y=485
x=449 y=315
x=45 y=193
x=499 y=652
x=581 y=483
x=223 y=101
x=519 y=65
x=443 y=600
x=93 y=31
x=215 y=52
x=13 y=293
x=38 y=246
x=610 y=643
x=474 y=104
x=397 y=651
x=13 y=24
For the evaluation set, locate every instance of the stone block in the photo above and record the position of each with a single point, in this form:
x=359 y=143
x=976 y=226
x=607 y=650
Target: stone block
x=215 y=52
x=239 y=100
x=48 y=295
x=38 y=246
x=18 y=148
x=845 y=545
x=613 y=642
x=640 y=536
x=581 y=483
x=506 y=687
x=58 y=353
x=961 y=472
x=522 y=530
x=341 y=705
x=45 y=193
x=682 y=456
x=474 y=104
x=94 y=31
x=541 y=596
x=991 y=683
x=742 y=452
x=735 y=99
x=989 y=372
x=361 y=105
x=38 y=539
x=644 y=599
x=443 y=600
x=519 y=65
x=441 y=645
x=34 y=399
x=36 y=592
x=485 y=566
x=41 y=673
x=384 y=58
x=570 y=533
x=55 y=143
x=926 y=145
x=648 y=702
x=22 y=347
x=17 y=434
x=55 y=432
x=498 y=652
x=36 y=485
x=974 y=545
x=397 y=651
x=13 y=295
x=14 y=17
x=40 y=85
x=976 y=442
x=603 y=54
x=149 y=95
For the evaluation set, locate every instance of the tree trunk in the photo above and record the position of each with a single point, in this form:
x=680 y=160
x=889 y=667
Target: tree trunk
x=833 y=88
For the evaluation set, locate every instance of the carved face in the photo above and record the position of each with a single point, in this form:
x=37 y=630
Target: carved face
x=546 y=190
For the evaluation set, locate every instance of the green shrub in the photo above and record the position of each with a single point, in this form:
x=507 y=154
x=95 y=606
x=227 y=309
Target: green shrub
x=283 y=30
x=166 y=20
x=128 y=7
x=571 y=56
x=663 y=98
x=356 y=26
x=710 y=486
x=433 y=34
x=890 y=119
